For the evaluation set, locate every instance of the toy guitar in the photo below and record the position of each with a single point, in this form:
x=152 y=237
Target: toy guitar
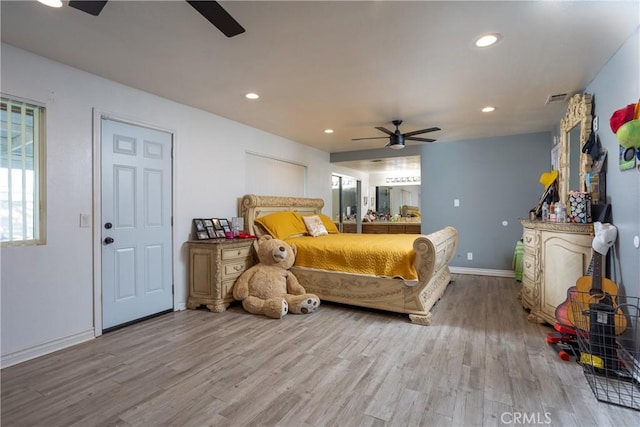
x=595 y=290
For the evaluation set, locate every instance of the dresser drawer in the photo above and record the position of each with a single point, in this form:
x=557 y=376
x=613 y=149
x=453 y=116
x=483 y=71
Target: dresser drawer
x=233 y=269
x=235 y=253
x=529 y=266
x=529 y=239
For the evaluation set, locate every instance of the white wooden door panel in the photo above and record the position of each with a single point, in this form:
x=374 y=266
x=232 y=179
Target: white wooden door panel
x=136 y=215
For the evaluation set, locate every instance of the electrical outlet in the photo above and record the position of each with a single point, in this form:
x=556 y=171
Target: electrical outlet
x=470 y=256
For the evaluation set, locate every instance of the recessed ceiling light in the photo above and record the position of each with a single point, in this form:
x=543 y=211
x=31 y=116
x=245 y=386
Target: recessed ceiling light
x=328 y=131
x=488 y=109
x=51 y=3
x=252 y=95
x=487 y=40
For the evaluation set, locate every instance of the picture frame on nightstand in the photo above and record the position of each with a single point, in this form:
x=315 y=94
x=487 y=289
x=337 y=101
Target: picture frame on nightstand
x=218 y=228
x=200 y=228
x=224 y=223
x=199 y=224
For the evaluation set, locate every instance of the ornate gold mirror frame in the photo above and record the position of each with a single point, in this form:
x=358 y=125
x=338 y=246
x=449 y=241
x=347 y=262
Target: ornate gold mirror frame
x=579 y=113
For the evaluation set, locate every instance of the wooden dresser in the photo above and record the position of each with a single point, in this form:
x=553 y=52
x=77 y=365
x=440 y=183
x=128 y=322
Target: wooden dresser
x=214 y=266
x=555 y=256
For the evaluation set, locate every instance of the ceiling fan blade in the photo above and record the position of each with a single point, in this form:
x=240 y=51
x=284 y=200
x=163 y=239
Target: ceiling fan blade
x=218 y=17
x=385 y=130
x=91 y=7
x=418 y=132
x=373 y=137
x=413 y=138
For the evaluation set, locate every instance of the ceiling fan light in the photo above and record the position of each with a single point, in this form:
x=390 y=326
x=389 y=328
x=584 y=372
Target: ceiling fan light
x=51 y=3
x=396 y=146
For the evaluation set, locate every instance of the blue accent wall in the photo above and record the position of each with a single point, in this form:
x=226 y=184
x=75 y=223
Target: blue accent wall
x=617 y=85
x=495 y=180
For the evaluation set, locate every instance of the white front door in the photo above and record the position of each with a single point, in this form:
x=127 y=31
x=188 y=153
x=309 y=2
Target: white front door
x=137 y=274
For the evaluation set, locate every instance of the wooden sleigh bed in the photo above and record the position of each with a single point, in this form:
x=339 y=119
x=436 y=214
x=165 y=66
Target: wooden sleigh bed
x=433 y=253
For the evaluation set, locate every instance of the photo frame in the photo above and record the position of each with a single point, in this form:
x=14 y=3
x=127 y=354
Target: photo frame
x=199 y=224
x=201 y=232
x=218 y=228
x=224 y=223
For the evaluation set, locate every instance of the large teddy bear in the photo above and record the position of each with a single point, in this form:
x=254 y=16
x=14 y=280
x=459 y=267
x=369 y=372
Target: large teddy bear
x=269 y=288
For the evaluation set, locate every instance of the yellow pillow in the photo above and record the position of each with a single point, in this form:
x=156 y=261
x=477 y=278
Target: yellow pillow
x=283 y=225
x=328 y=223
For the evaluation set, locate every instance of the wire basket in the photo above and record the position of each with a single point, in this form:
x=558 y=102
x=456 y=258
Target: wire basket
x=608 y=335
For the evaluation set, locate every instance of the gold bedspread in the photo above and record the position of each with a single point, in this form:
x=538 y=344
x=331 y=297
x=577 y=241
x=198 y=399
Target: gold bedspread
x=389 y=255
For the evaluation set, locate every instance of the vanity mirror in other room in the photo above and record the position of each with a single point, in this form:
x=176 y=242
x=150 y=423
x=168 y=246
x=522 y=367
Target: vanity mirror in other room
x=575 y=129
x=346 y=194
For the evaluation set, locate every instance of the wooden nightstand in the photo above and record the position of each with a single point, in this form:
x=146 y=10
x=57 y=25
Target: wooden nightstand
x=214 y=266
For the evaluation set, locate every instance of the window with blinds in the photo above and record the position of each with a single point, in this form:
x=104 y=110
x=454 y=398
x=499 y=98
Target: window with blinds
x=22 y=174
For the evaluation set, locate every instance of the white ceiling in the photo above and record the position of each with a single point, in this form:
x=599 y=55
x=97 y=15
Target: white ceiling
x=349 y=66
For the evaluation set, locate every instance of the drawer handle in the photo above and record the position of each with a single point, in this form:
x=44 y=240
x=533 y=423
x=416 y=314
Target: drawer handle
x=528 y=264
x=528 y=239
x=239 y=252
x=238 y=267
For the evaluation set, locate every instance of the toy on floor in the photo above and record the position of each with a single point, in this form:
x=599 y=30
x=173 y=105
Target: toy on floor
x=564 y=344
x=269 y=288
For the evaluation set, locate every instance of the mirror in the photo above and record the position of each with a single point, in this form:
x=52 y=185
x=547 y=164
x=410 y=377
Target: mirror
x=390 y=199
x=575 y=129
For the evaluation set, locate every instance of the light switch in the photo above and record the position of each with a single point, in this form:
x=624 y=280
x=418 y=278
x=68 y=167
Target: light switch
x=85 y=220
x=456 y=203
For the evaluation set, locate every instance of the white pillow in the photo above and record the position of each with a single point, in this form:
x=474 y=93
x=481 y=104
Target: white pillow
x=315 y=226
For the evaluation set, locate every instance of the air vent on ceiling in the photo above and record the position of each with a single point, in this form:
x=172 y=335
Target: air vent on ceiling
x=558 y=97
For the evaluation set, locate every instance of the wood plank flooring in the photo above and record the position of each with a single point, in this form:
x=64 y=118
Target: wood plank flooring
x=480 y=363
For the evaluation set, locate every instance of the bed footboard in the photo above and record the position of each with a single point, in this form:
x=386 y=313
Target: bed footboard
x=415 y=298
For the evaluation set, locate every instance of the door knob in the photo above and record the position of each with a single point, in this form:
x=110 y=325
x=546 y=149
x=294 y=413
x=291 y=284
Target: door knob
x=108 y=240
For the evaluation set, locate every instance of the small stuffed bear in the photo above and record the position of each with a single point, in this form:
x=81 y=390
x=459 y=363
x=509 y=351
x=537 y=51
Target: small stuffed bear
x=269 y=288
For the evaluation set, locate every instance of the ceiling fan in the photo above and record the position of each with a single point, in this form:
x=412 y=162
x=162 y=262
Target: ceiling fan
x=211 y=10
x=396 y=139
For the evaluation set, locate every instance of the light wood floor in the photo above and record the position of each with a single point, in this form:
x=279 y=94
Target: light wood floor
x=479 y=363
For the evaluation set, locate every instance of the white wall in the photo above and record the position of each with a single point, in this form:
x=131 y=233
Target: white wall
x=47 y=291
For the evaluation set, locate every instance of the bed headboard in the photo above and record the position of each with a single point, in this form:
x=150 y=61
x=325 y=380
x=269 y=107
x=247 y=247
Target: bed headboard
x=252 y=207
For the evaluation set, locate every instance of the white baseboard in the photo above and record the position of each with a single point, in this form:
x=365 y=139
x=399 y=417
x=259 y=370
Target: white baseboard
x=42 y=349
x=483 y=272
